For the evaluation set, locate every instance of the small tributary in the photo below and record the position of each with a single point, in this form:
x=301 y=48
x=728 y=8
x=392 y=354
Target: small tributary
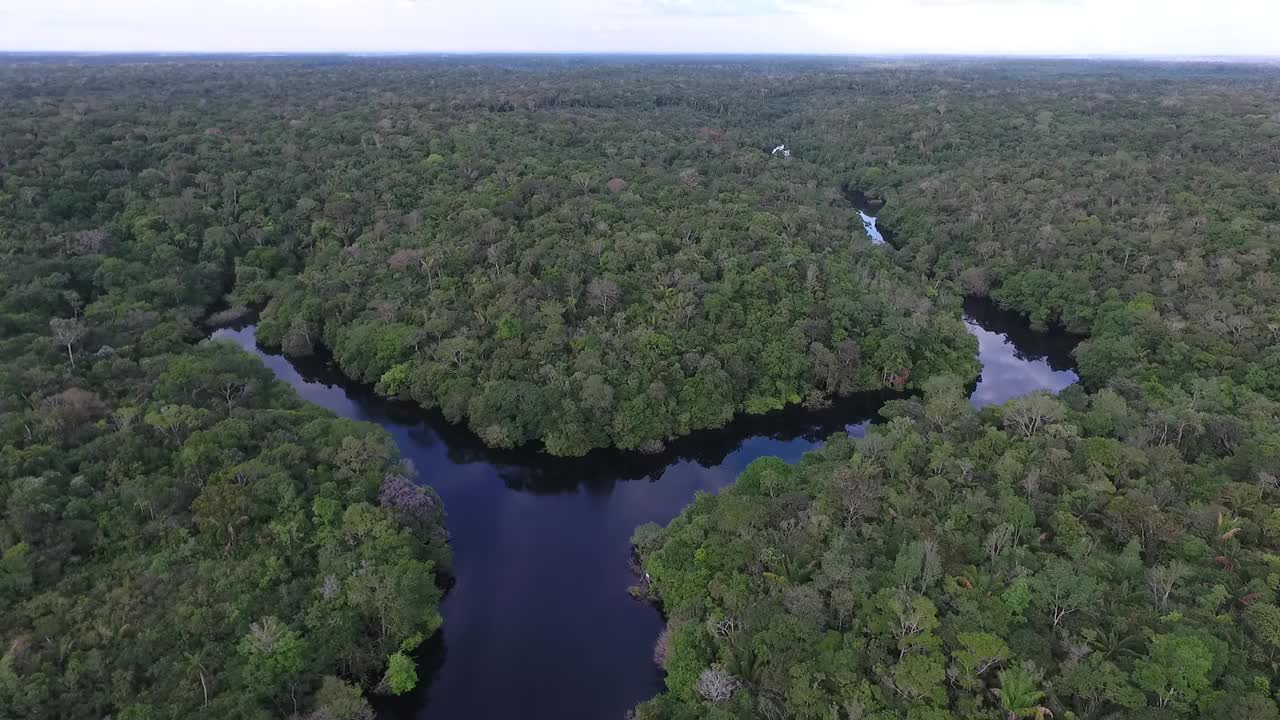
x=867 y=207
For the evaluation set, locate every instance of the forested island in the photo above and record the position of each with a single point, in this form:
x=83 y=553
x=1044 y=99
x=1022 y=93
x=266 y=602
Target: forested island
x=573 y=254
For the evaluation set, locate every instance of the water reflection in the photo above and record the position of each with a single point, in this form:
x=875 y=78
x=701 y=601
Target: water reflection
x=1015 y=358
x=869 y=227
x=539 y=623
x=541 y=547
x=786 y=432
x=867 y=207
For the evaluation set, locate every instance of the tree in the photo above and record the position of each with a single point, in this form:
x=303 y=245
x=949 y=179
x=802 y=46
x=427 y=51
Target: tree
x=297 y=341
x=1019 y=695
x=68 y=332
x=336 y=700
x=661 y=647
x=1263 y=619
x=1175 y=669
x=856 y=488
x=92 y=242
x=716 y=685
x=217 y=376
x=1162 y=578
x=979 y=652
x=603 y=292
x=402 y=674
x=919 y=678
x=1252 y=705
x=273 y=654
x=72 y=408
x=16 y=576
x=976 y=281
x=1096 y=682
x=918 y=563
x=413 y=505
x=1062 y=589
x=196 y=665
x=912 y=618
x=1030 y=414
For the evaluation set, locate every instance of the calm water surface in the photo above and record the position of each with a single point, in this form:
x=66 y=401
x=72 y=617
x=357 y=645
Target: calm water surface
x=867 y=207
x=539 y=624
x=1016 y=359
x=869 y=227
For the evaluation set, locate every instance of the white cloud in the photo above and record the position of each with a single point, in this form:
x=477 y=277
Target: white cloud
x=1131 y=27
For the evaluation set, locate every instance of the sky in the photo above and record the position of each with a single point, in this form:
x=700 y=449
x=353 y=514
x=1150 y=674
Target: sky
x=1014 y=27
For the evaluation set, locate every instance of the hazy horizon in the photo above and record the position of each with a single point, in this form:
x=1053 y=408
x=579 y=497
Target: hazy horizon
x=1151 y=57
x=1138 y=29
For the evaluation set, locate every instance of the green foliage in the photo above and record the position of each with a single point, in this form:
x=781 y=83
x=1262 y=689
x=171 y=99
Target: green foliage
x=336 y=700
x=978 y=653
x=1097 y=538
x=272 y=652
x=1019 y=695
x=1175 y=670
x=1095 y=683
x=179 y=535
x=477 y=260
x=951 y=582
x=402 y=674
x=243 y=514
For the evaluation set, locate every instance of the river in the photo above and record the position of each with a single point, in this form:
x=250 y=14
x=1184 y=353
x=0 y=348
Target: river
x=539 y=624
x=867 y=206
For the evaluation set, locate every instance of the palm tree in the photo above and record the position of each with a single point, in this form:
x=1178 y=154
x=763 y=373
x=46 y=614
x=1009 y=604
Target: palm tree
x=194 y=663
x=1019 y=697
x=744 y=663
x=1114 y=643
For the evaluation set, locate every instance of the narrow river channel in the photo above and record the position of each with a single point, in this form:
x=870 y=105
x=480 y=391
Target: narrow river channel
x=539 y=624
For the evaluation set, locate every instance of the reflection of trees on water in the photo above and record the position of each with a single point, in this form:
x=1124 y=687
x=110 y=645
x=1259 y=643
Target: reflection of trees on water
x=1054 y=346
x=528 y=469
x=600 y=469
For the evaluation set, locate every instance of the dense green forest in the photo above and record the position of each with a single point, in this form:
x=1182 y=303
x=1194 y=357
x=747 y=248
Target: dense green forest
x=1111 y=554
x=1141 y=206
x=589 y=253
x=180 y=535
x=547 y=255
x=1078 y=556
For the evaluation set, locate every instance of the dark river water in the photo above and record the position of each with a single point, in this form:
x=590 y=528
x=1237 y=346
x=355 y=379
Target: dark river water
x=539 y=624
